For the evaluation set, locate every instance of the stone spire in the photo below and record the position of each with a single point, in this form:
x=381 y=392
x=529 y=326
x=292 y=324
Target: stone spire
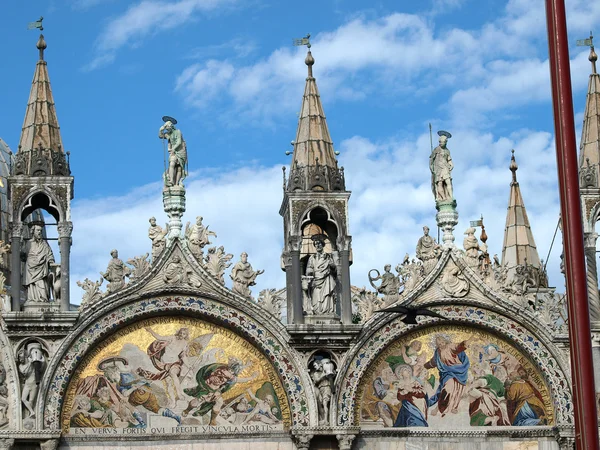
x=519 y=245
x=589 y=148
x=314 y=158
x=40 y=151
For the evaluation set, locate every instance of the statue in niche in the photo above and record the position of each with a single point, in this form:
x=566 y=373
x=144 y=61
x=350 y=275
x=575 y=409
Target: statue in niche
x=197 y=236
x=177 y=168
x=440 y=164
x=31 y=364
x=322 y=289
x=428 y=250
x=323 y=375
x=3 y=397
x=390 y=284
x=158 y=237
x=37 y=267
x=471 y=246
x=244 y=276
x=115 y=273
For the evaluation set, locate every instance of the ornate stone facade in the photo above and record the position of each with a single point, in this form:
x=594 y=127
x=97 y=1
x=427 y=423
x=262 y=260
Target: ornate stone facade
x=169 y=356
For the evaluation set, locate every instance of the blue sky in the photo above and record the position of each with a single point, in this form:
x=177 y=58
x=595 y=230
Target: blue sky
x=227 y=71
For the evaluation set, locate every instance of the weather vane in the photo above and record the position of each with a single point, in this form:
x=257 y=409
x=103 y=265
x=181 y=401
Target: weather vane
x=589 y=42
x=302 y=41
x=37 y=24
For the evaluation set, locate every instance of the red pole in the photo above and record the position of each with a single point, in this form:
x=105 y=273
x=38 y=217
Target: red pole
x=584 y=395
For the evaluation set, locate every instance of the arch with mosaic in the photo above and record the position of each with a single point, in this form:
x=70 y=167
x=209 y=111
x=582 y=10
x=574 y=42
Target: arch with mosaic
x=453 y=377
x=174 y=375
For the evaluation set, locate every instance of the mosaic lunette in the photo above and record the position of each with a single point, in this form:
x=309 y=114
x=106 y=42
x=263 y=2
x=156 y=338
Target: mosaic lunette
x=445 y=377
x=172 y=372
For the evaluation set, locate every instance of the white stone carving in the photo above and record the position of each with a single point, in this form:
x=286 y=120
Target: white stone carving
x=244 y=276
x=198 y=236
x=141 y=266
x=158 y=236
x=92 y=292
x=428 y=251
x=365 y=303
x=389 y=286
x=216 y=261
x=454 y=283
x=37 y=267
x=322 y=286
x=31 y=364
x=115 y=273
x=271 y=300
x=322 y=375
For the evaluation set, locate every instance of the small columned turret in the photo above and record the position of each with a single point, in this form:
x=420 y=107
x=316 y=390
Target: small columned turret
x=40 y=181
x=317 y=253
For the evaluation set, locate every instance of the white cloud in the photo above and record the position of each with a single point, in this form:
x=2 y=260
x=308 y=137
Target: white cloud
x=391 y=200
x=502 y=63
x=145 y=18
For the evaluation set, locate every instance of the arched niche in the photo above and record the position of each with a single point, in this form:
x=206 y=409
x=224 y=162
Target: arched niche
x=318 y=221
x=77 y=357
x=40 y=200
x=383 y=347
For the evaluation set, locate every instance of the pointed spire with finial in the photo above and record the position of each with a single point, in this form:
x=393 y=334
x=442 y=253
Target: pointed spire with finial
x=519 y=246
x=313 y=142
x=40 y=150
x=589 y=147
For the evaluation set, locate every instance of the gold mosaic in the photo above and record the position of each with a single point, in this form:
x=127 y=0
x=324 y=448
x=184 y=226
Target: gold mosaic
x=174 y=375
x=449 y=377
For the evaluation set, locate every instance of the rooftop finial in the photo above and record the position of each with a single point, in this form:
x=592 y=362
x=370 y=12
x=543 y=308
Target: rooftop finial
x=41 y=43
x=589 y=43
x=513 y=166
x=309 y=61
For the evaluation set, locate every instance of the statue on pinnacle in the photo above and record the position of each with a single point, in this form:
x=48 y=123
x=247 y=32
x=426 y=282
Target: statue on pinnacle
x=440 y=164
x=177 y=168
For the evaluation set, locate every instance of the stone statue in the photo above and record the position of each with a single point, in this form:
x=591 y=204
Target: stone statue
x=177 y=169
x=390 y=284
x=471 y=246
x=322 y=376
x=31 y=365
x=440 y=164
x=3 y=397
x=37 y=267
x=321 y=267
x=158 y=237
x=115 y=273
x=197 y=236
x=428 y=250
x=244 y=276
x=217 y=261
x=306 y=304
x=92 y=292
x=454 y=283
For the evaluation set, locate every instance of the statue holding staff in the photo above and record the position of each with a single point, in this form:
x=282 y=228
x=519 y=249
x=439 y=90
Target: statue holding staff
x=440 y=164
x=177 y=167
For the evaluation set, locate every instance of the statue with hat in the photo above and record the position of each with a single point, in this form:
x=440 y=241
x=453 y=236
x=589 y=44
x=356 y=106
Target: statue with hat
x=322 y=269
x=440 y=164
x=177 y=169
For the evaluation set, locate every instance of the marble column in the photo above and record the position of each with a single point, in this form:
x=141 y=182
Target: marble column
x=65 y=230
x=15 y=265
x=346 y=305
x=296 y=294
x=592 y=276
x=302 y=441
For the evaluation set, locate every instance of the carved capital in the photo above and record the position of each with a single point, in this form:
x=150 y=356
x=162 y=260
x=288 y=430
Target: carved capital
x=16 y=229
x=295 y=243
x=303 y=441
x=343 y=243
x=6 y=444
x=64 y=229
x=50 y=444
x=589 y=240
x=345 y=441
